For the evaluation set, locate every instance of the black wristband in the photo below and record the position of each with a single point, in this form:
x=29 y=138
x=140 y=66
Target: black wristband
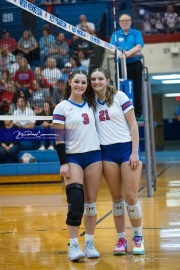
x=61 y=151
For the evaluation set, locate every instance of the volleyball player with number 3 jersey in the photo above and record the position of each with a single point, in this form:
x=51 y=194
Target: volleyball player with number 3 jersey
x=118 y=133
x=78 y=149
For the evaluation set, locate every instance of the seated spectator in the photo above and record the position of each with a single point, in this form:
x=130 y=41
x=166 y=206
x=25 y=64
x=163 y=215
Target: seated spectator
x=45 y=43
x=9 y=150
x=28 y=45
x=15 y=65
x=51 y=73
x=38 y=76
x=84 y=60
x=4 y=79
x=75 y=64
x=23 y=110
x=7 y=97
x=39 y=95
x=6 y=58
x=47 y=125
x=171 y=20
x=24 y=77
x=85 y=25
x=65 y=72
x=80 y=44
x=60 y=50
x=158 y=23
x=58 y=93
x=148 y=25
x=8 y=41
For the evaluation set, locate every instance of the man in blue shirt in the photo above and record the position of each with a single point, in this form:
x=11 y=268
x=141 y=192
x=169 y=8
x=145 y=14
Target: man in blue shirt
x=130 y=41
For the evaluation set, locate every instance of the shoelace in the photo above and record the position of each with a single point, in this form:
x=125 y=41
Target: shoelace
x=75 y=246
x=121 y=242
x=90 y=244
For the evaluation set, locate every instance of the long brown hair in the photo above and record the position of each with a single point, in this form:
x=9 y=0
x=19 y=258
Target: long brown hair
x=89 y=95
x=110 y=89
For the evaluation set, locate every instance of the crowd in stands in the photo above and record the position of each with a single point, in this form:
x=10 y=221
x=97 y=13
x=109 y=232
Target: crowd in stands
x=33 y=73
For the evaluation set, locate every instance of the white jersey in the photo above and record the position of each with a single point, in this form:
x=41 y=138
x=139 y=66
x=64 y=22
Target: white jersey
x=80 y=130
x=111 y=124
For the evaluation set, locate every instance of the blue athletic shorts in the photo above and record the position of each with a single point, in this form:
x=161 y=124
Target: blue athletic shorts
x=85 y=159
x=118 y=152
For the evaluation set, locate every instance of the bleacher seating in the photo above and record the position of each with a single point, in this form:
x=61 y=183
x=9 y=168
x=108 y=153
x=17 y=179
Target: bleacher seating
x=46 y=163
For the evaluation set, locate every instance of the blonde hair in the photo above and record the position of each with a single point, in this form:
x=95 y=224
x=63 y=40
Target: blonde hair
x=110 y=89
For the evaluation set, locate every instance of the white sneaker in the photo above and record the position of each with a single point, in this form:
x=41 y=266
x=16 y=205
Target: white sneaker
x=51 y=147
x=75 y=253
x=138 y=246
x=42 y=148
x=89 y=250
x=121 y=247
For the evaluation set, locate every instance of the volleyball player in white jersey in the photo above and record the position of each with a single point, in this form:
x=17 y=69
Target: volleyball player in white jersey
x=118 y=133
x=81 y=161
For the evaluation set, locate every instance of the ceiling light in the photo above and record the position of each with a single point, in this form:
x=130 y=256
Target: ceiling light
x=171 y=81
x=166 y=77
x=172 y=95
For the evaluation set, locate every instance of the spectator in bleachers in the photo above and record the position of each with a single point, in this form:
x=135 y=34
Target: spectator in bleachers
x=148 y=25
x=45 y=43
x=65 y=71
x=51 y=72
x=24 y=77
x=23 y=110
x=80 y=44
x=47 y=125
x=39 y=95
x=6 y=58
x=15 y=65
x=60 y=50
x=171 y=20
x=75 y=63
x=38 y=76
x=9 y=150
x=29 y=19
x=7 y=97
x=28 y=45
x=85 y=25
x=159 y=23
x=84 y=60
x=4 y=79
x=8 y=41
x=58 y=93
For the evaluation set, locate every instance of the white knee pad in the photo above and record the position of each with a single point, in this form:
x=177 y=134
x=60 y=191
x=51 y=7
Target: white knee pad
x=90 y=209
x=134 y=211
x=118 y=208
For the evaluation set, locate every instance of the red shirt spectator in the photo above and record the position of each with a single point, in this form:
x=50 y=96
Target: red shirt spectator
x=23 y=76
x=8 y=41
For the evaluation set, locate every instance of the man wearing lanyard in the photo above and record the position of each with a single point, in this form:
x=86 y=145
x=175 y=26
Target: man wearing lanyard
x=130 y=41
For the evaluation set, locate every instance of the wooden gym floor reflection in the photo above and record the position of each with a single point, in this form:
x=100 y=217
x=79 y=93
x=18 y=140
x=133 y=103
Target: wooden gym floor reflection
x=33 y=233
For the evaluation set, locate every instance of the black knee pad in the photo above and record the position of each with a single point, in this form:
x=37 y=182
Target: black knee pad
x=75 y=199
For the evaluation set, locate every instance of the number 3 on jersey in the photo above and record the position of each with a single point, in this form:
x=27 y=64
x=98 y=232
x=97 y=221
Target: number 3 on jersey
x=103 y=115
x=86 y=118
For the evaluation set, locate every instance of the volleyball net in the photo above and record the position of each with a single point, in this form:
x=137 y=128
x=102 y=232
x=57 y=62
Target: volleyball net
x=45 y=85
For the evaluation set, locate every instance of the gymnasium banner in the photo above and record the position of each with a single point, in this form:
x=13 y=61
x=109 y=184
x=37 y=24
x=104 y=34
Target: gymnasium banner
x=157 y=17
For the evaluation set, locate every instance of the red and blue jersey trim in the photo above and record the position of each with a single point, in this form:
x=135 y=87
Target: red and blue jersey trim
x=58 y=117
x=126 y=105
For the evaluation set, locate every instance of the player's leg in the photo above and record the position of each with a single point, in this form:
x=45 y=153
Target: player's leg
x=112 y=177
x=92 y=180
x=75 y=200
x=130 y=181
